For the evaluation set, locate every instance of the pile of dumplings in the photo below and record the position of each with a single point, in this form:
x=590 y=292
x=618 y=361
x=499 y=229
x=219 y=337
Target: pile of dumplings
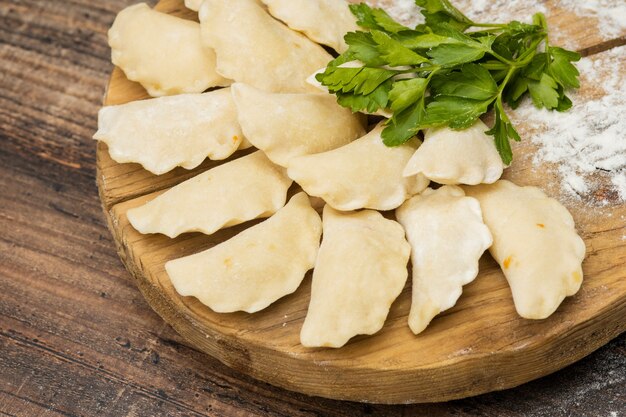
x=256 y=57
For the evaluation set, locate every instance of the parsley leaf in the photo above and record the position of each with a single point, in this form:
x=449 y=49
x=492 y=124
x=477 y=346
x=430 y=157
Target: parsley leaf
x=377 y=19
x=471 y=82
x=426 y=41
x=363 y=48
x=455 y=112
x=394 y=53
x=407 y=92
x=440 y=11
x=514 y=94
x=450 y=55
x=361 y=80
x=544 y=92
x=561 y=67
x=404 y=125
x=370 y=103
x=502 y=131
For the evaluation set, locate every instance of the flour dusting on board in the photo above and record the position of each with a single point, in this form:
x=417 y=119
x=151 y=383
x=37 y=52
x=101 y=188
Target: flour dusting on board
x=403 y=11
x=589 y=139
x=610 y=13
x=500 y=11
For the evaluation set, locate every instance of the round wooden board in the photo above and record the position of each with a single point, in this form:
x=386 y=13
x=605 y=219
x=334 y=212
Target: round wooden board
x=480 y=345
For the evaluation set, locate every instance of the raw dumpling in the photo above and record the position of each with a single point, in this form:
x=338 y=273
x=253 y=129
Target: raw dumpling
x=162 y=52
x=193 y=4
x=447 y=237
x=258 y=266
x=166 y=132
x=362 y=174
x=457 y=157
x=245 y=144
x=255 y=49
x=360 y=270
x=535 y=243
x=235 y=192
x=288 y=125
x=323 y=21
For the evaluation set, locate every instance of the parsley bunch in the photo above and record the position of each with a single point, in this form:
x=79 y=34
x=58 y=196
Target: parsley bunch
x=441 y=73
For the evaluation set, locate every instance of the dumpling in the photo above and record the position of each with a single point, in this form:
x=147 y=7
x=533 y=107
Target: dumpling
x=288 y=125
x=235 y=192
x=447 y=237
x=166 y=132
x=457 y=157
x=162 y=52
x=323 y=21
x=255 y=49
x=360 y=270
x=193 y=4
x=256 y=267
x=535 y=243
x=363 y=174
x=245 y=144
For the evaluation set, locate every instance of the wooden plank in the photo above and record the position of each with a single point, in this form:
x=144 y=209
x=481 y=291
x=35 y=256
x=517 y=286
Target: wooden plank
x=61 y=281
x=76 y=336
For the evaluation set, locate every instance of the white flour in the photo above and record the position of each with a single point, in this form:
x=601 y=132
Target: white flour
x=590 y=138
x=404 y=11
x=611 y=14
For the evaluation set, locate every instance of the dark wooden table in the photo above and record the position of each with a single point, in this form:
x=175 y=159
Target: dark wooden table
x=76 y=336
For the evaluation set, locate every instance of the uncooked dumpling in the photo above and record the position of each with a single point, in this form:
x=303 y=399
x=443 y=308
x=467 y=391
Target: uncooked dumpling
x=245 y=144
x=258 y=266
x=288 y=125
x=447 y=237
x=193 y=4
x=535 y=243
x=457 y=156
x=162 y=52
x=363 y=174
x=235 y=192
x=323 y=21
x=360 y=270
x=166 y=132
x=254 y=48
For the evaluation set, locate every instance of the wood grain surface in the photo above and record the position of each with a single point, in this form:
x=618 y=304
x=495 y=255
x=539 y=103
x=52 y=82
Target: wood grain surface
x=76 y=336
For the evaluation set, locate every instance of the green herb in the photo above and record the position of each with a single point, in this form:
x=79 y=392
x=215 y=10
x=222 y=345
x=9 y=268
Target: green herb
x=449 y=71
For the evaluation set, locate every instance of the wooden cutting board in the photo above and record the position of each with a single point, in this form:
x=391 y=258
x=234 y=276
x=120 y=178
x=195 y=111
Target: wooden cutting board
x=480 y=345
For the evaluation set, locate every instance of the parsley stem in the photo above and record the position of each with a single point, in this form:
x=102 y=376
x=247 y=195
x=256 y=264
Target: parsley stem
x=491 y=30
x=523 y=59
x=528 y=56
x=489 y=25
x=495 y=66
x=509 y=74
x=501 y=58
x=419 y=69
